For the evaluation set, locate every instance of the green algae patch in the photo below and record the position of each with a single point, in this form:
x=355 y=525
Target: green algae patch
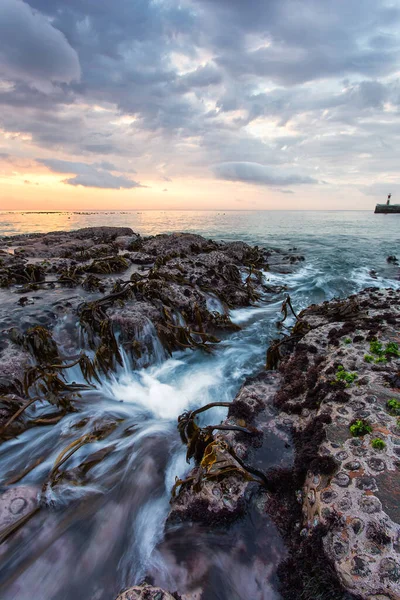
x=360 y=428
x=378 y=444
x=345 y=376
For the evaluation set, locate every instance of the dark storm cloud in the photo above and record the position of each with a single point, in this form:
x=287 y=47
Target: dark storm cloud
x=89 y=175
x=308 y=86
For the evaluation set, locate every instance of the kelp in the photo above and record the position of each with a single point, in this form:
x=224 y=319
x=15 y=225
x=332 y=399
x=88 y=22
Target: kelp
x=218 y=461
x=248 y=284
x=173 y=335
x=18 y=476
x=299 y=329
x=100 y=432
x=56 y=476
x=21 y=274
x=91 y=283
x=214 y=457
x=40 y=343
x=17 y=414
x=51 y=375
x=254 y=257
x=99 y=329
x=287 y=303
x=50 y=385
x=108 y=265
x=273 y=355
x=70 y=277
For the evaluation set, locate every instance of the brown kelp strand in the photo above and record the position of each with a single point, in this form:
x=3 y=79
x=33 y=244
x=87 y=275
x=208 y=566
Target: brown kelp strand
x=214 y=458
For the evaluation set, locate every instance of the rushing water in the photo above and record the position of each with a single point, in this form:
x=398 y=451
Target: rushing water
x=95 y=539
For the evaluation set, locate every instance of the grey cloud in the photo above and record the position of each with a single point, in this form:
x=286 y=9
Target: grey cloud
x=103 y=179
x=108 y=166
x=88 y=175
x=258 y=174
x=109 y=148
x=202 y=77
x=31 y=49
x=291 y=65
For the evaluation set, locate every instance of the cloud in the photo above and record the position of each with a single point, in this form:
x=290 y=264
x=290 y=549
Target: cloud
x=203 y=76
x=89 y=175
x=275 y=93
x=103 y=179
x=258 y=174
x=31 y=49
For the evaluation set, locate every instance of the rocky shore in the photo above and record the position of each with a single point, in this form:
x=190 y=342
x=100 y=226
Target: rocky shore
x=114 y=284
x=329 y=397
x=334 y=395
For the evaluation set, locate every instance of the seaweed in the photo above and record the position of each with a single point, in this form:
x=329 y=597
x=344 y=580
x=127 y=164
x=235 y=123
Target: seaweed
x=345 y=376
x=70 y=277
x=22 y=274
x=108 y=265
x=359 y=428
x=393 y=407
x=214 y=457
x=378 y=444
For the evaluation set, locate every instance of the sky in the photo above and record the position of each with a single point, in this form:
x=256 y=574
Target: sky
x=203 y=104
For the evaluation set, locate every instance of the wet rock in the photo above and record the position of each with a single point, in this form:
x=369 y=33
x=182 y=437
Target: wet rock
x=345 y=503
x=376 y=464
x=328 y=496
x=357 y=525
x=370 y=504
x=15 y=504
x=342 y=479
x=390 y=569
x=146 y=592
x=366 y=483
x=353 y=465
x=360 y=566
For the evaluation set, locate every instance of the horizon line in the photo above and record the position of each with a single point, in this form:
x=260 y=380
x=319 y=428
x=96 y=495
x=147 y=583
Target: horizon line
x=133 y=210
